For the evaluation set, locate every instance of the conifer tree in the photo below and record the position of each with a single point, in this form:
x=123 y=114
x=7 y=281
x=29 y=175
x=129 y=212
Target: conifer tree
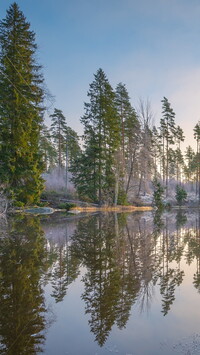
x=189 y=166
x=102 y=138
x=179 y=136
x=58 y=129
x=129 y=138
x=73 y=149
x=124 y=110
x=47 y=148
x=197 y=137
x=21 y=110
x=167 y=129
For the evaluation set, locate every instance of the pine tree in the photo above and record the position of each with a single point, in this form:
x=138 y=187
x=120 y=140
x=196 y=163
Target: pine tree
x=145 y=155
x=189 y=166
x=156 y=151
x=21 y=110
x=58 y=129
x=72 y=151
x=124 y=110
x=132 y=147
x=179 y=136
x=101 y=132
x=73 y=148
x=167 y=129
x=47 y=148
x=129 y=139
x=197 y=137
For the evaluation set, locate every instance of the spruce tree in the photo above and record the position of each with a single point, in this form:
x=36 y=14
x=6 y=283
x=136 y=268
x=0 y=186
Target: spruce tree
x=102 y=138
x=21 y=110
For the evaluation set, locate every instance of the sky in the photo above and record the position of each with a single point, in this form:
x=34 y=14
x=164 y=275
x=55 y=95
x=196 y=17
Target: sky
x=152 y=46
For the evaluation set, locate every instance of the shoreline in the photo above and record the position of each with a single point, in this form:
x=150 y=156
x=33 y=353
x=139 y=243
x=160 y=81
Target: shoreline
x=110 y=209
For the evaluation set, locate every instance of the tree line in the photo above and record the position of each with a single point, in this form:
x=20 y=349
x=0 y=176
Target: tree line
x=122 y=153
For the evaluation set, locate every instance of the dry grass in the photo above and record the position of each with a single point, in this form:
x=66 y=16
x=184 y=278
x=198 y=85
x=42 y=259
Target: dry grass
x=111 y=209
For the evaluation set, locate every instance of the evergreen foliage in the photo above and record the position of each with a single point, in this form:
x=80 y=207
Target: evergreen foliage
x=21 y=110
x=158 y=194
x=181 y=195
x=122 y=152
x=96 y=177
x=73 y=149
x=168 y=131
x=58 y=129
x=47 y=148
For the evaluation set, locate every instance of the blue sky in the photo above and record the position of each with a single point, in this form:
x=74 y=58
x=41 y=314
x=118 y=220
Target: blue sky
x=153 y=46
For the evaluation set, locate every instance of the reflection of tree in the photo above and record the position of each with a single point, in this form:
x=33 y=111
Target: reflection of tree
x=109 y=282
x=65 y=270
x=168 y=284
x=129 y=279
x=181 y=218
x=125 y=257
x=22 y=306
x=194 y=251
x=94 y=243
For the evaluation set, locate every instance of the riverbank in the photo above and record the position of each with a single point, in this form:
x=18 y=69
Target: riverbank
x=110 y=209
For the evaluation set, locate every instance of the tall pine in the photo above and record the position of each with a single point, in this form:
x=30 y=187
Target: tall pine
x=21 y=110
x=97 y=177
x=58 y=128
x=168 y=131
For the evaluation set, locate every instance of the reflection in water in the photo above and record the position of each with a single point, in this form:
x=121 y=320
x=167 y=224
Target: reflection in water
x=22 y=306
x=65 y=270
x=125 y=257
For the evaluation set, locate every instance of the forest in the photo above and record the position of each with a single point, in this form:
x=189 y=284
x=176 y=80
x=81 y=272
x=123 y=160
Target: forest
x=122 y=157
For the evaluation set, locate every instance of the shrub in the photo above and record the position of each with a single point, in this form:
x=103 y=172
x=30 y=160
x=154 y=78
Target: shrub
x=122 y=198
x=66 y=206
x=181 y=195
x=158 y=194
x=18 y=204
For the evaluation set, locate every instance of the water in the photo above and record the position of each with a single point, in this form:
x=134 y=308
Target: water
x=125 y=284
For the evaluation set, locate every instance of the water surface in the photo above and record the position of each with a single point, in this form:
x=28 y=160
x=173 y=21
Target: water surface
x=125 y=284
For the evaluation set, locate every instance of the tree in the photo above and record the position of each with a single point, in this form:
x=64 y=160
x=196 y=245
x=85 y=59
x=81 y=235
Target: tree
x=102 y=139
x=158 y=194
x=58 y=129
x=179 y=157
x=47 y=148
x=72 y=150
x=129 y=140
x=145 y=155
x=22 y=303
x=181 y=195
x=167 y=130
x=124 y=110
x=133 y=140
x=197 y=137
x=156 y=151
x=21 y=110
